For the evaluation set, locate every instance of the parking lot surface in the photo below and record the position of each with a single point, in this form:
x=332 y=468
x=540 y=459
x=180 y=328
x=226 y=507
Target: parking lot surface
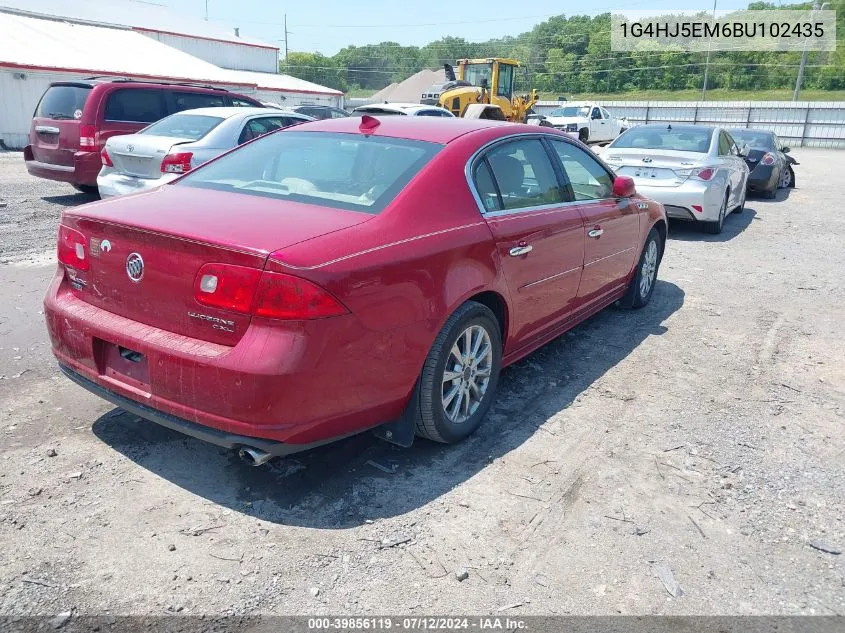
x=687 y=458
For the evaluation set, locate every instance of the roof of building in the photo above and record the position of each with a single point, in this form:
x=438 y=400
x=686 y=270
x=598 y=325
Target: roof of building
x=37 y=44
x=138 y=14
x=281 y=83
x=32 y=44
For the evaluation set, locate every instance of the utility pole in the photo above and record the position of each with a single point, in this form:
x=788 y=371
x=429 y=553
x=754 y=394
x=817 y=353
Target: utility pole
x=707 y=61
x=800 y=78
x=206 y=10
x=286 y=37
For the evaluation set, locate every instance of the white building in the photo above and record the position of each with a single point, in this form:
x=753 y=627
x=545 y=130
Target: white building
x=42 y=41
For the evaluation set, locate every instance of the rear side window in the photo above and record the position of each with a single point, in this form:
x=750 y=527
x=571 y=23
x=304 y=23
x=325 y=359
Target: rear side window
x=344 y=171
x=260 y=127
x=242 y=103
x=190 y=126
x=524 y=174
x=62 y=102
x=135 y=106
x=191 y=100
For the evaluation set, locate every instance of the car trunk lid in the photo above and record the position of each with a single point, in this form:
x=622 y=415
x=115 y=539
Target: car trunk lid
x=652 y=168
x=141 y=155
x=172 y=232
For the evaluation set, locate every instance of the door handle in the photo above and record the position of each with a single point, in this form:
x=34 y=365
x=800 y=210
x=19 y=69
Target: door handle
x=596 y=233
x=516 y=251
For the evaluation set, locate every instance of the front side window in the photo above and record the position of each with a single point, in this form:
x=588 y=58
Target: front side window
x=476 y=73
x=344 y=171
x=596 y=114
x=505 y=81
x=588 y=179
x=135 y=106
x=523 y=174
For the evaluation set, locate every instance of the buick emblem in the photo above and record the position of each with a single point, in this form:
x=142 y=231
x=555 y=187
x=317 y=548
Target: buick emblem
x=135 y=267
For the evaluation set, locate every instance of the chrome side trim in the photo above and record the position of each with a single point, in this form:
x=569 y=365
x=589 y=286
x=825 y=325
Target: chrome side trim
x=596 y=261
x=545 y=279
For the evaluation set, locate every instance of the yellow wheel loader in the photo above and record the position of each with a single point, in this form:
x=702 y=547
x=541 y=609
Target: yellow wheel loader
x=487 y=82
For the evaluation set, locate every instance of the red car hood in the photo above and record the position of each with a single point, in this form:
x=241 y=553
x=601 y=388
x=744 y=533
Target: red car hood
x=243 y=222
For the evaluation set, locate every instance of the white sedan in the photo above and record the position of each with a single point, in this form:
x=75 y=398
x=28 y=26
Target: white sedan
x=588 y=122
x=409 y=109
x=696 y=172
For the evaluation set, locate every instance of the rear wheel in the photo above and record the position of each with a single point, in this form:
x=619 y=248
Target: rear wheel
x=90 y=190
x=645 y=277
x=460 y=375
x=714 y=228
x=741 y=207
x=787 y=178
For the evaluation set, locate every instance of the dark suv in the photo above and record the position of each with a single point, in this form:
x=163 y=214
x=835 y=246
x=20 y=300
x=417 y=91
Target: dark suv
x=73 y=119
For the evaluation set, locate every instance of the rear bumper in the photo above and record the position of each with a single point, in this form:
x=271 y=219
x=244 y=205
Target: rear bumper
x=192 y=429
x=111 y=183
x=86 y=166
x=763 y=178
x=679 y=201
x=298 y=383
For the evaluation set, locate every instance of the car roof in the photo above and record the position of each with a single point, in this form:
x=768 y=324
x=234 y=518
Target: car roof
x=227 y=112
x=749 y=129
x=676 y=127
x=430 y=129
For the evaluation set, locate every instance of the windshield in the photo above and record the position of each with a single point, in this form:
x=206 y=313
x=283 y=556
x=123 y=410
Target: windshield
x=192 y=126
x=345 y=171
x=686 y=139
x=762 y=140
x=474 y=73
x=63 y=102
x=571 y=111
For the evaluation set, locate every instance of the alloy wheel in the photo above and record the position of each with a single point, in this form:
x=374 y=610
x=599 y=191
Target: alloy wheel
x=784 y=179
x=466 y=374
x=649 y=269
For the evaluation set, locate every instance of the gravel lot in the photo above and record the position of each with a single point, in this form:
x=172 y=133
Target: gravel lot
x=696 y=443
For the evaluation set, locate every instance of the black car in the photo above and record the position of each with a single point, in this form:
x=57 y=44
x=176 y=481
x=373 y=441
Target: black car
x=321 y=111
x=770 y=167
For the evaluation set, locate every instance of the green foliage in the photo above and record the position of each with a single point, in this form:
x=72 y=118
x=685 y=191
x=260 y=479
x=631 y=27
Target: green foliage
x=566 y=55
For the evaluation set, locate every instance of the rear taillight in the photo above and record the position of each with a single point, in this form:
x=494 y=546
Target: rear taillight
x=768 y=159
x=72 y=248
x=266 y=294
x=703 y=173
x=176 y=163
x=87 y=138
x=105 y=158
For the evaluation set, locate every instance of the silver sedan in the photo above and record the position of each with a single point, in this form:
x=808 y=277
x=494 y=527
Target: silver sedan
x=697 y=172
x=168 y=148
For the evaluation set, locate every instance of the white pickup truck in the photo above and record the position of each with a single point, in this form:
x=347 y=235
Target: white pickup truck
x=588 y=122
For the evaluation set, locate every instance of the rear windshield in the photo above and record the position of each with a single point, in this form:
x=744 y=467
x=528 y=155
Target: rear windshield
x=680 y=139
x=761 y=140
x=345 y=171
x=62 y=102
x=191 y=126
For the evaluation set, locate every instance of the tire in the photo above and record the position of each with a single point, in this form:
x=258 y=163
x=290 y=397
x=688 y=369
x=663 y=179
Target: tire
x=89 y=190
x=583 y=135
x=644 y=278
x=714 y=228
x=453 y=422
x=741 y=207
x=786 y=179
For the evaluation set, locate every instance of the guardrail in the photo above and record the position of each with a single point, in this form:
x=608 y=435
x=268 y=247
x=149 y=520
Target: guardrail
x=797 y=123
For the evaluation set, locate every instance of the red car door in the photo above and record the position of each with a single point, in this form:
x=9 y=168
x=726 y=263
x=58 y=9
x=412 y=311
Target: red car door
x=611 y=226
x=539 y=237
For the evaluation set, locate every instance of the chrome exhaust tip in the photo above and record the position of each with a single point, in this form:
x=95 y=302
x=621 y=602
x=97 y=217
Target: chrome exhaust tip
x=254 y=456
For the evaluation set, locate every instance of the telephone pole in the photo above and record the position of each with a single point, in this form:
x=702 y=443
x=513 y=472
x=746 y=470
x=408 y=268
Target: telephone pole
x=707 y=62
x=286 y=37
x=800 y=78
x=206 y=10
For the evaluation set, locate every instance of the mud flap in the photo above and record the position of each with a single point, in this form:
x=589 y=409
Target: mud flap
x=401 y=431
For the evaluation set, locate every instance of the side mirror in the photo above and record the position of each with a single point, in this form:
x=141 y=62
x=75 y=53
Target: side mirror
x=745 y=151
x=623 y=187
x=785 y=150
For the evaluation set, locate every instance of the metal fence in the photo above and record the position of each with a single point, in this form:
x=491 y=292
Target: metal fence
x=797 y=123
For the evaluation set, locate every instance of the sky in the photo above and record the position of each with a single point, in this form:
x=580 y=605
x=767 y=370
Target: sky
x=326 y=26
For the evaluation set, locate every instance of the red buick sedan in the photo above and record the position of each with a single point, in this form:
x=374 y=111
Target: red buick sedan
x=345 y=275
